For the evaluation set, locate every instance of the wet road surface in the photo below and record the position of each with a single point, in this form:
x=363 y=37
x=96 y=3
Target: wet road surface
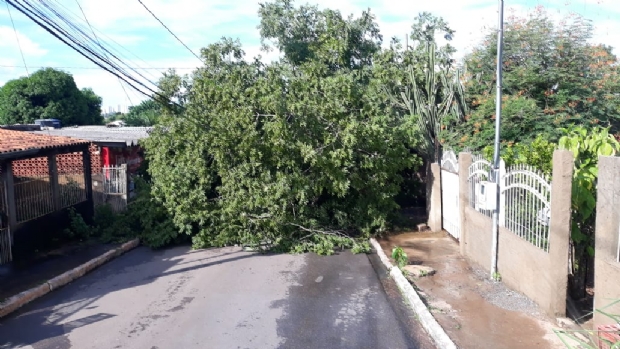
x=220 y=298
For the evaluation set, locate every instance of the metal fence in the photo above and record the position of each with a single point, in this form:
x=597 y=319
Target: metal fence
x=449 y=161
x=450 y=213
x=71 y=185
x=479 y=171
x=33 y=197
x=525 y=200
x=525 y=204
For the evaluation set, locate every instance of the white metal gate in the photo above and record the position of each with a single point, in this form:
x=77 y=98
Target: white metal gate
x=450 y=216
x=110 y=187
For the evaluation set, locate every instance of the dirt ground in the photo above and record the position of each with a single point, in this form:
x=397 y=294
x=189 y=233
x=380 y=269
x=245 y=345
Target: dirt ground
x=474 y=311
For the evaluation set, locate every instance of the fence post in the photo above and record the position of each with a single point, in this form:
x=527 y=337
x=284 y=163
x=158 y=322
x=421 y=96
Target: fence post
x=502 y=195
x=52 y=167
x=465 y=161
x=607 y=235
x=125 y=181
x=434 y=215
x=88 y=177
x=559 y=228
x=9 y=190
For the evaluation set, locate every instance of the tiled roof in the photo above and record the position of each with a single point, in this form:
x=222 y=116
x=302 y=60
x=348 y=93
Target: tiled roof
x=17 y=141
x=101 y=134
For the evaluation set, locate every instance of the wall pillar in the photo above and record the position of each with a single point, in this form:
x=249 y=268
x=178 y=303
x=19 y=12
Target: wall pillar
x=559 y=227
x=9 y=190
x=434 y=214
x=88 y=179
x=465 y=161
x=53 y=174
x=606 y=264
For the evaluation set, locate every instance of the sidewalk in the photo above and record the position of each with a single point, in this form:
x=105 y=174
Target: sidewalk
x=474 y=311
x=20 y=276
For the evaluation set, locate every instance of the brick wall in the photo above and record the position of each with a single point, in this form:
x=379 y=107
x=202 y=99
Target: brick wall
x=66 y=164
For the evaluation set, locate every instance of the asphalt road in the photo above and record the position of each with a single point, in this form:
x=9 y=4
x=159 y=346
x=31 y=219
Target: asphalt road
x=220 y=298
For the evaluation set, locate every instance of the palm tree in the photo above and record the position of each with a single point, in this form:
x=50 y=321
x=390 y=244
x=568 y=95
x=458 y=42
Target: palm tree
x=439 y=96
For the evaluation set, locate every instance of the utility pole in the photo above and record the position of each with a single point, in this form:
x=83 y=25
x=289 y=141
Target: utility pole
x=498 y=118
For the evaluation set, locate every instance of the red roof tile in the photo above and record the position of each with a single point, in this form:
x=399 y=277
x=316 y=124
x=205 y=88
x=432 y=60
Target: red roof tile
x=14 y=141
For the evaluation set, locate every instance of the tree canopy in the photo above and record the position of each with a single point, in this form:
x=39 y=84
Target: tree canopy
x=48 y=94
x=553 y=77
x=304 y=150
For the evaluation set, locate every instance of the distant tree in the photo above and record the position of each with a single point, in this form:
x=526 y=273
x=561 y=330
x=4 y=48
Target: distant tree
x=93 y=103
x=48 y=94
x=147 y=113
x=553 y=77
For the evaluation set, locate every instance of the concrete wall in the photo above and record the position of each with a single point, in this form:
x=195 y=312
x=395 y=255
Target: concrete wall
x=540 y=275
x=434 y=213
x=606 y=265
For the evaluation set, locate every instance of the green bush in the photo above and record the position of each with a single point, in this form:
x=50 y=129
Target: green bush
x=78 y=229
x=112 y=227
x=155 y=225
x=144 y=218
x=400 y=256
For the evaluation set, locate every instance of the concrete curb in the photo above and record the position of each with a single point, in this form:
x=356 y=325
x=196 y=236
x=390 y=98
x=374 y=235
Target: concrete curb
x=25 y=297
x=425 y=317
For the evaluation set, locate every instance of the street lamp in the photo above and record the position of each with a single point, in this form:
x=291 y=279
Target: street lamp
x=498 y=117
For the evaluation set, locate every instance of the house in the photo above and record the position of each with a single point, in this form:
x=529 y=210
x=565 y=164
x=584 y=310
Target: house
x=115 y=146
x=40 y=177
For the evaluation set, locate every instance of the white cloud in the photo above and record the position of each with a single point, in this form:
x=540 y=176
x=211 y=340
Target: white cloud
x=9 y=45
x=199 y=22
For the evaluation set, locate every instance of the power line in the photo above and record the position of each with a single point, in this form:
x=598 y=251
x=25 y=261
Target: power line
x=170 y=31
x=69 y=13
x=97 y=39
x=100 y=52
x=17 y=38
x=95 y=68
x=38 y=16
x=107 y=38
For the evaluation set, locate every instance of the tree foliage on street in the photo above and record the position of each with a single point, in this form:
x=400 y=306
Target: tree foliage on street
x=553 y=78
x=303 y=154
x=48 y=94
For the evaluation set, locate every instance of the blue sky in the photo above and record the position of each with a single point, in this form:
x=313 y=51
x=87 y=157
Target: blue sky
x=200 y=22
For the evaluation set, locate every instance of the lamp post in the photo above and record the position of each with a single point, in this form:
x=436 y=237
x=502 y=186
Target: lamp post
x=498 y=118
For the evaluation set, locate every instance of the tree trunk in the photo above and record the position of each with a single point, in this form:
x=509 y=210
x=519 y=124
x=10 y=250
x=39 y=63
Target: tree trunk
x=577 y=281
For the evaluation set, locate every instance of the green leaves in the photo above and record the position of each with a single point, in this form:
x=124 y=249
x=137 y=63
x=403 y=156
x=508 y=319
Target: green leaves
x=553 y=77
x=280 y=153
x=586 y=145
x=306 y=34
x=400 y=257
x=431 y=99
x=147 y=113
x=48 y=94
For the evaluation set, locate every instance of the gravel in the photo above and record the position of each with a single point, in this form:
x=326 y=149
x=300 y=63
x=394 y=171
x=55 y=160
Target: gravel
x=498 y=294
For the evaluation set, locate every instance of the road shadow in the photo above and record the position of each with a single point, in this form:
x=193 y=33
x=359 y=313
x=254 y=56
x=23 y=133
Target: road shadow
x=43 y=323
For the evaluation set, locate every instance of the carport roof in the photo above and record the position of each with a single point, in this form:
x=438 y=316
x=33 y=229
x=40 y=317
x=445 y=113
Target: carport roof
x=14 y=144
x=102 y=135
